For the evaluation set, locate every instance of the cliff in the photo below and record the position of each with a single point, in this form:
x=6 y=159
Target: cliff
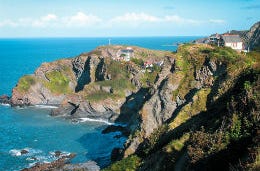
x=194 y=109
x=185 y=111
x=95 y=84
x=201 y=110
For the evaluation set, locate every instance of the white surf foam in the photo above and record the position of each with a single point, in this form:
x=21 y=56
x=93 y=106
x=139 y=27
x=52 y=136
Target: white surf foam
x=4 y=104
x=46 y=106
x=15 y=152
x=95 y=120
x=18 y=152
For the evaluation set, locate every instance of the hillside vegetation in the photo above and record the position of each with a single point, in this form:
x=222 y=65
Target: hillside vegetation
x=215 y=127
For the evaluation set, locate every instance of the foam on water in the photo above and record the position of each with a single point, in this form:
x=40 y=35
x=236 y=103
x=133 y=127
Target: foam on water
x=95 y=120
x=46 y=106
x=4 y=104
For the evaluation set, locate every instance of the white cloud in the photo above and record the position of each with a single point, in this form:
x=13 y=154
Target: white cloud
x=179 y=20
x=49 y=17
x=8 y=23
x=217 y=21
x=81 y=19
x=135 y=17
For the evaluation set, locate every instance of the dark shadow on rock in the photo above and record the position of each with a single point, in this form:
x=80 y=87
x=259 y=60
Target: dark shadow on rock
x=84 y=77
x=116 y=128
x=129 y=110
x=100 y=71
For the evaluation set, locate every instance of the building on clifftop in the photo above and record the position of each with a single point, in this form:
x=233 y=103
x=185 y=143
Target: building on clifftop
x=232 y=40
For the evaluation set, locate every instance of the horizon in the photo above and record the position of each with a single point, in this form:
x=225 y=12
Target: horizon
x=110 y=18
x=201 y=36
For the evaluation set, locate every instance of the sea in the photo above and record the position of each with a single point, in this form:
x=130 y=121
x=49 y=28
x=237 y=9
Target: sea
x=31 y=128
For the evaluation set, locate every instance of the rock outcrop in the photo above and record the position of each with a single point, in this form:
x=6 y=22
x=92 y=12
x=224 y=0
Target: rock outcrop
x=93 y=84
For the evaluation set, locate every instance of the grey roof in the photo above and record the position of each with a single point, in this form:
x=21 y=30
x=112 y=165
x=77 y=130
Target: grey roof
x=231 y=38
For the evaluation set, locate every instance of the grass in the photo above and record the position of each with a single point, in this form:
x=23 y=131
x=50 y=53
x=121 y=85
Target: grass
x=149 y=78
x=118 y=86
x=99 y=96
x=178 y=144
x=25 y=83
x=58 y=83
x=117 y=70
x=130 y=163
x=191 y=109
x=137 y=61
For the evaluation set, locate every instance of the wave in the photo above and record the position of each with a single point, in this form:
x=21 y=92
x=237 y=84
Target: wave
x=15 y=152
x=34 y=156
x=4 y=104
x=29 y=152
x=46 y=106
x=95 y=120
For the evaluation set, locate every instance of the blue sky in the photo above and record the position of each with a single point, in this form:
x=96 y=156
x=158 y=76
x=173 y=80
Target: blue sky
x=97 y=18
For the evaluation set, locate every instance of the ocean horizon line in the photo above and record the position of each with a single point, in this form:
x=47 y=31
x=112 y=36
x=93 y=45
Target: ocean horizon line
x=93 y=37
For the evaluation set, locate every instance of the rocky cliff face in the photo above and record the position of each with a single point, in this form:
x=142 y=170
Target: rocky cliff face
x=193 y=114
x=94 y=84
x=254 y=35
x=165 y=107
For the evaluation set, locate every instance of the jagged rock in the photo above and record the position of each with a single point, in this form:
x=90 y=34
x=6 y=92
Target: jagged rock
x=88 y=166
x=56 y=165
x=4 y=99
x=23 y=151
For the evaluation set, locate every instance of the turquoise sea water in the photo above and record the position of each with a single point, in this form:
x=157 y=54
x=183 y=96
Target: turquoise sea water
x=32 y=128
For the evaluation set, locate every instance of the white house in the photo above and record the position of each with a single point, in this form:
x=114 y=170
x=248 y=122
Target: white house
x=125 y=54
x=233 y=41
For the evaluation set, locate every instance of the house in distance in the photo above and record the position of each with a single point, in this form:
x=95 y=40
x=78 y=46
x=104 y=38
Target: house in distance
x=229 y=40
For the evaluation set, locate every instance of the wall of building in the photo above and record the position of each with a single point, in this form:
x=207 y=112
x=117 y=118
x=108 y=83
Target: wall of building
x=235 y=46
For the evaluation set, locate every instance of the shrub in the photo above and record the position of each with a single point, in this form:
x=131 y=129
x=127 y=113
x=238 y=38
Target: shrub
x=235 y=130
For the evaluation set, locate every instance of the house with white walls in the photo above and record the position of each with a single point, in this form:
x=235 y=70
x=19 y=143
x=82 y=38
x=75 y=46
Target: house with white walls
x=232 y=40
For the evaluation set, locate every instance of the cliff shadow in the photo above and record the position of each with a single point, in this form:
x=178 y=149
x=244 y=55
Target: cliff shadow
x=132 y=105
x=84 y=77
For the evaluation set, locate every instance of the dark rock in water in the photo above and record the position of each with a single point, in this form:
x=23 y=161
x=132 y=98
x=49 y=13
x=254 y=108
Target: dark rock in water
x=55 y=165
x=4 y=99
x=117 y=154
x=115 y=128
x=23 y=151
x=57 y=153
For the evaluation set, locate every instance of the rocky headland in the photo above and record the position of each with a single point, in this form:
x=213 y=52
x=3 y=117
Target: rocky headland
x=184 y=110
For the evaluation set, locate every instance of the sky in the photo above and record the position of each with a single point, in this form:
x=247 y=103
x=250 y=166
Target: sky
x=118 y=18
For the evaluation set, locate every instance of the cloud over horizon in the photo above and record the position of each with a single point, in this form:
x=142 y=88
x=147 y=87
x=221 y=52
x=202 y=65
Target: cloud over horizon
x=81 y=19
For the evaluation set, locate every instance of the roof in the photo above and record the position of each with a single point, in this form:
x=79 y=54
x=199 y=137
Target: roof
x=231 y=38
x=127 y=50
